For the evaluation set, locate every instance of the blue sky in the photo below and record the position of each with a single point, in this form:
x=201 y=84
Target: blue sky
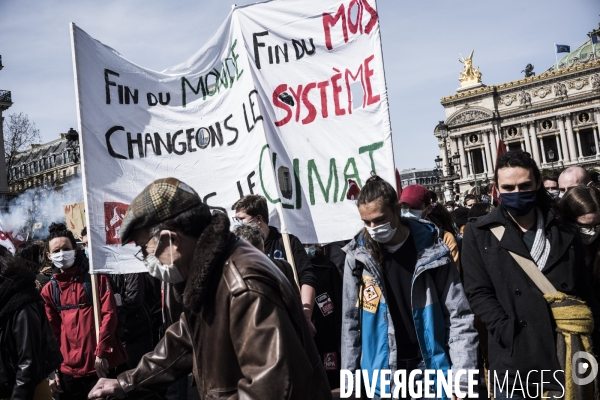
x=421 y=45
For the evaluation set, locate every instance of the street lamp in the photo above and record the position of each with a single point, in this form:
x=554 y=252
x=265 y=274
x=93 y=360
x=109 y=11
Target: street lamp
x=451 y=161
x=438 y=162
x=551 y=158
x=456 y=160
x=442 y=129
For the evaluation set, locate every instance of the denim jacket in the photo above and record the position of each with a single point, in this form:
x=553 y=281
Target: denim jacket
x=443 y=321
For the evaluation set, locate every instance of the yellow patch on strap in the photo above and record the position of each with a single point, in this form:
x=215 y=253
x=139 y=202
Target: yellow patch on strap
x=371 y=295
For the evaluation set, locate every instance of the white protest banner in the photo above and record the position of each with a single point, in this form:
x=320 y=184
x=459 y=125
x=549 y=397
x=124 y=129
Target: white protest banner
x=286 y=100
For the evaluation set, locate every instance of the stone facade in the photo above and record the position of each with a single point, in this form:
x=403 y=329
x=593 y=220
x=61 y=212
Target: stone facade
x=430 y=178
x=554 y=114
x=50 y=165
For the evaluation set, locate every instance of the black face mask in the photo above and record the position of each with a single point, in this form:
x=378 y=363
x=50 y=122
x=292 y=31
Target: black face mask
x=519 y=204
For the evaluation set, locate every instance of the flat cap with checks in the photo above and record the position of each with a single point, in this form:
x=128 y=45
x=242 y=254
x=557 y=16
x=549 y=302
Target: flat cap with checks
x=161 y=200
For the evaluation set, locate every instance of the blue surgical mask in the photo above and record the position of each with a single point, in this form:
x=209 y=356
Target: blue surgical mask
x=87 y=254
x=411 y=213
x=311 y=251
x=519 y=204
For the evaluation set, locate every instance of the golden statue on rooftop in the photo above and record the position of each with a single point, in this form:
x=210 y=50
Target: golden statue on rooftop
x=470 y=75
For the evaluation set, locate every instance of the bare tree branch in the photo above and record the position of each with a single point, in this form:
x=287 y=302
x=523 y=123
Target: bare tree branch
x=19 y=134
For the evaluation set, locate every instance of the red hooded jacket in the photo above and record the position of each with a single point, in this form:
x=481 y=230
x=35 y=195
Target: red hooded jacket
x=74 y=329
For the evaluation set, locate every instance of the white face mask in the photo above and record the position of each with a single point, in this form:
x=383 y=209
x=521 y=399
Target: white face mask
x=64 y=259
x=382 y=233
x=554 y=193
x=166 y=273
x=587 y=238
x=411 y=213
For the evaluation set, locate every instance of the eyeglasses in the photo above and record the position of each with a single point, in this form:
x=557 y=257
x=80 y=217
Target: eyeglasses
x=242 y=220
x=589 y=229
x=139 y=254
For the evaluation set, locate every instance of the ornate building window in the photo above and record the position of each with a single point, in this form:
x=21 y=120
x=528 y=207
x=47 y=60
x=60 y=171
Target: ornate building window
x=546 y=124
x=583 y=117
x=473 y=138
x=511 y=132
x=478 y=166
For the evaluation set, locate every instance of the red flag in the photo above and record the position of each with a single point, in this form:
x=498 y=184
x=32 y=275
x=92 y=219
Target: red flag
x=16 y=237
x=7 y=243
x=398 y=184
x=500 y=151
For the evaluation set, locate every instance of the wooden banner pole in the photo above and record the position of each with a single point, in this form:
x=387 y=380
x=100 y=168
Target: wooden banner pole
x=94 y=277
x=96 y=305
x=290 y=256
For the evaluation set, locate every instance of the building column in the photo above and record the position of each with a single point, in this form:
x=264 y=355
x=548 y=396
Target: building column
x=490 y=136
x=525 y=133
x=578 y=142
x=470 y=157
x=488 y=153
x=570 y=137
x=453 y=146
x=558 y=147
x=494 y=145
x=485 y=159
x=563 y=139
x=595 y=130
x=543 y=150
x=534 y=142
x=463 y=158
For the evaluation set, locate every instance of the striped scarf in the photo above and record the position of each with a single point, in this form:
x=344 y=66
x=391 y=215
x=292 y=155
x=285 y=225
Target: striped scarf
x=541 y=246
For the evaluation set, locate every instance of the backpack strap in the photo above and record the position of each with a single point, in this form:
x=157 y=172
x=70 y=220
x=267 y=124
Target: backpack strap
x=55 y=293
x=87 y=288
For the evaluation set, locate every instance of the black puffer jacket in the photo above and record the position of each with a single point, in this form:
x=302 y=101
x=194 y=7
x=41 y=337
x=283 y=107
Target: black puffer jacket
x=28 y=349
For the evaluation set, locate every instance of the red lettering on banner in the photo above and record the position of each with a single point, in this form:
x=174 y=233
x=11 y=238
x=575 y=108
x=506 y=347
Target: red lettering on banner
x=368 y=74
x=322 y=86
x=297 y=98
x=345 y=15
x=278 y=103
x=287 y=97
x=312 y=111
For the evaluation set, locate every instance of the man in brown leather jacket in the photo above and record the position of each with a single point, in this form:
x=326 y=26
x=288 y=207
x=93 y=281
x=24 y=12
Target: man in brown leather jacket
x=242 y=333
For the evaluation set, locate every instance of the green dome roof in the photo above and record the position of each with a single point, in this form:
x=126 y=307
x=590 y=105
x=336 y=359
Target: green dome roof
x=582 y=54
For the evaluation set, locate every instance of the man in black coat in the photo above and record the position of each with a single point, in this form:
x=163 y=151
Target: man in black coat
x=28 y=350
x=253 y=209
x=520 y=326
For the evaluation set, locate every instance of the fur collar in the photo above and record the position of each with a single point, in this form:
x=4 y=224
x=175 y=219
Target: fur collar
x=212 y=249
x=17 y=290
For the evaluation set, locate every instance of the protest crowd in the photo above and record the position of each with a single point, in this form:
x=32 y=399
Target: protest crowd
x=508 y=285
